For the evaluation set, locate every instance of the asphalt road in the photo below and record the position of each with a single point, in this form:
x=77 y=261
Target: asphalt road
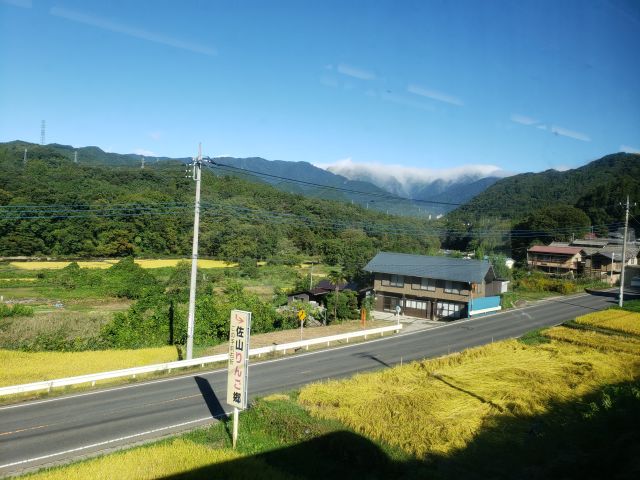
x=57 y=430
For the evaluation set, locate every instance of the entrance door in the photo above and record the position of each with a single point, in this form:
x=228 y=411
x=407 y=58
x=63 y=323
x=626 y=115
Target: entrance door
x=389 y=303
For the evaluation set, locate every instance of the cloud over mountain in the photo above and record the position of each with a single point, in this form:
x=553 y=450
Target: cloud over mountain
x=409 y=181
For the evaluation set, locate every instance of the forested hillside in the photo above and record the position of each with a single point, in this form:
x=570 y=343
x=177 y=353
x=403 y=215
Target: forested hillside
x=596 y=188
x=51 y=206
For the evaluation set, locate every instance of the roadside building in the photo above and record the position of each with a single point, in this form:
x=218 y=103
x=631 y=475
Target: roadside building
x=561 y=260
x=318 y=293
x=599 y=258
x=434 y=287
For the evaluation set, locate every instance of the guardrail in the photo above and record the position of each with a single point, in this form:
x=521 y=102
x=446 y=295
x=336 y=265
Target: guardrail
x=160 y=367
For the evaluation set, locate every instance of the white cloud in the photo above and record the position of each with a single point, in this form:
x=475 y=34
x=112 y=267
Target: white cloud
x=555 y=129
x=130 y=31
x=523 y=119
x=628 y=149
x=561 y=168
x=155 y=135
x=355 y=72
x=565 y=132
x=435 y=95
x=409 y=102
x=405 y=175
x=146 y=153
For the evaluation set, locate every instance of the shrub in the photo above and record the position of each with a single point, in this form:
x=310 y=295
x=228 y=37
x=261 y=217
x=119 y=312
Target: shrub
x=16 y=310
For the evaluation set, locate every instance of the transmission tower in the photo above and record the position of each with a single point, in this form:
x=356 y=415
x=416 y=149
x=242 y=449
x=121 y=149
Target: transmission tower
x=24 y=159
x=75 y=156
x=142 y=163
x=42 y=131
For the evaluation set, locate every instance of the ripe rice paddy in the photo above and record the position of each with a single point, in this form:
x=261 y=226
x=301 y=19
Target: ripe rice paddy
x=439 y=406
x=614 y=319
x=102 y=264
x=25 y=367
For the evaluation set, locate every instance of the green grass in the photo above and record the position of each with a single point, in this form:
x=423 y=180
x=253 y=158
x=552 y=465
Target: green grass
x=534 y=337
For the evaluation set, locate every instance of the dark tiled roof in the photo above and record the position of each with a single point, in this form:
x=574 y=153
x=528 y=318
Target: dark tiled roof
x=440 y=268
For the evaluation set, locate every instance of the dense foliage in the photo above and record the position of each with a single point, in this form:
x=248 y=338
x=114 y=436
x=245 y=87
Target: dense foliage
x=515 y=197
x=553 y=223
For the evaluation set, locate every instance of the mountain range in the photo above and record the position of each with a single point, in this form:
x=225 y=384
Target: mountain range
x=423 y=197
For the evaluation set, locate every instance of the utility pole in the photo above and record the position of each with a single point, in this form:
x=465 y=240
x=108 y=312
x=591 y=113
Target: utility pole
x=197 y=173
x=75 y=156
x=24 y=159
x=624 y=254
x=142 y=163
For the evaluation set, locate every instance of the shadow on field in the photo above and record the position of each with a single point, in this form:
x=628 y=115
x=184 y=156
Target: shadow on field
x=597 y=436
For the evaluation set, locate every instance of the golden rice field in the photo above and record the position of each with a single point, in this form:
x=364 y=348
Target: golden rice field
x=607 y=343
x=157 y=461
x=620 y=320
x=25 y=367
x=144 y=263
x=439 y=406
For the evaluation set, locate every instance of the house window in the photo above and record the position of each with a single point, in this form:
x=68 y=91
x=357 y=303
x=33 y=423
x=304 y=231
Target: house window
x=415 y=304
x=396 y=281
x=428 y=284
x=452 y=287
x=448 y=310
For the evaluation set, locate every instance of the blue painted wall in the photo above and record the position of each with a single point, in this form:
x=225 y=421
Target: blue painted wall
x=485 y=302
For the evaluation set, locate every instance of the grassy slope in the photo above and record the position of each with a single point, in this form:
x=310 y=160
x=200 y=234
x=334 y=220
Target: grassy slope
x=535 y=409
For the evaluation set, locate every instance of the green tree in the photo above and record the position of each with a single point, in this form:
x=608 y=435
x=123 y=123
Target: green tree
x=337 y=278
x=555 y=223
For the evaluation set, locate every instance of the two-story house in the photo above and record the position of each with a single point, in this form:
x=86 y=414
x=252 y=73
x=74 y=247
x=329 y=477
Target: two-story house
x=556 y=259
x=434 y=287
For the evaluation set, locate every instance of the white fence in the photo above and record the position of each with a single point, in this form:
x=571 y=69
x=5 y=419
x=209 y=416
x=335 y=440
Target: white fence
x=160 y=367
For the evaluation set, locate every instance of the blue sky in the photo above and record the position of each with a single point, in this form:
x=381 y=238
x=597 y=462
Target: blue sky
x=518 y=85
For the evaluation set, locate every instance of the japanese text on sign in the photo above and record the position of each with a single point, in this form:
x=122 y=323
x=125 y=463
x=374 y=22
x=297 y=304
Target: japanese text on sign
x=238 y=358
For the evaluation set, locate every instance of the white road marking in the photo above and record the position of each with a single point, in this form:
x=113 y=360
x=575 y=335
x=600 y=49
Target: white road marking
x=106 y=442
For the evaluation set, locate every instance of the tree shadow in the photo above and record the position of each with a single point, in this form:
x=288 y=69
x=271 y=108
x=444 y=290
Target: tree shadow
x=213 y=404
x=596 y=436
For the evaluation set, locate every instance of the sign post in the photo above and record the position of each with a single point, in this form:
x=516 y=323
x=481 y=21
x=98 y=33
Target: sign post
x=237 y=374
x=301 y=316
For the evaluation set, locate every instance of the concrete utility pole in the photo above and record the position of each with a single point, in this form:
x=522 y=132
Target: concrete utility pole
x=624 y=254
x=197 y=173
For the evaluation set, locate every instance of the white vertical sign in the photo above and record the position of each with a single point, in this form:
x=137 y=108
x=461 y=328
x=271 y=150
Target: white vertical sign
x=238 y=358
